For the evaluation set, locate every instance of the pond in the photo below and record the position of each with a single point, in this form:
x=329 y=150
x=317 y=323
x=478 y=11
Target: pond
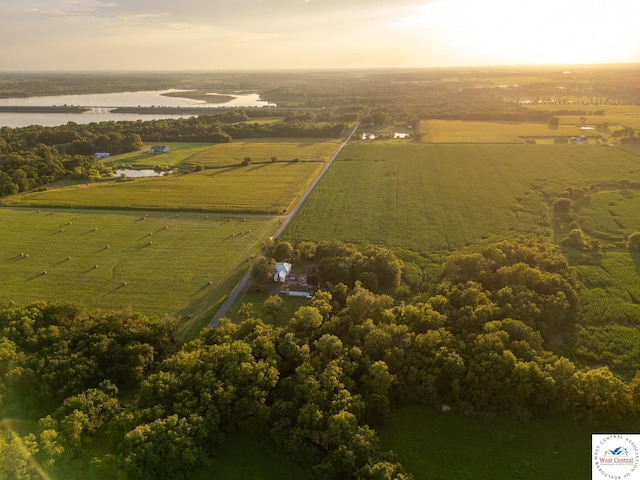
x=133 y=173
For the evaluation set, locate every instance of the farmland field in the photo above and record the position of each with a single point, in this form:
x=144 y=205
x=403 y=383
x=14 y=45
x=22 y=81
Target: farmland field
x=228 y=154
x=222 y=186
x=622 y=115
x=461 y=131
x=608 y=308
x=161 y=263
x=430 y=198
x=441 y=446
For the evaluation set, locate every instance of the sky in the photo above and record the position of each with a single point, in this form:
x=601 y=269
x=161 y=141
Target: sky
x=63 y=35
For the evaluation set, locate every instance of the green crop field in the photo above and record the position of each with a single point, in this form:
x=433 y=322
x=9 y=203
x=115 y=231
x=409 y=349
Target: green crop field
x=431 y=198
x=461 y=131
x=609 y=308
x=448 y=446
x=159 y=263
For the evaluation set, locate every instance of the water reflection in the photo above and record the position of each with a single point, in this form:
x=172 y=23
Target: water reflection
x=132 y=173
x=103 y=103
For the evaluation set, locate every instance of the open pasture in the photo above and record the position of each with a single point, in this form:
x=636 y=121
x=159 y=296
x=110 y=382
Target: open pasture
x=462 y=131
x=431 y=198
x=439 y=446
x=258 y=188
x=207 y=155
x=154 y=262
x=261 y=150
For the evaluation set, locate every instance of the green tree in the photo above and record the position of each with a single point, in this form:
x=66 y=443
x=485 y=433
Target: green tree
x=262 y=270
x=15 y=456
x=272 y=305
x=283 y=251
x=170 y=447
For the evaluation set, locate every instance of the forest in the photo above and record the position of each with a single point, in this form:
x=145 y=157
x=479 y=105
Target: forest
x=485 y=341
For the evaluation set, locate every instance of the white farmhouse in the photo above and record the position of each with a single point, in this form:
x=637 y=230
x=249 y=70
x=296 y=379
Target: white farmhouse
x=283 y=269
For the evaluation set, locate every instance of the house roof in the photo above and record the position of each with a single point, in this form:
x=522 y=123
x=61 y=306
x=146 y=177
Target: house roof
x=282 y=270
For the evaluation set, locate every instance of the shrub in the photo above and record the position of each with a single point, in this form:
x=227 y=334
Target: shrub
x=633 y=242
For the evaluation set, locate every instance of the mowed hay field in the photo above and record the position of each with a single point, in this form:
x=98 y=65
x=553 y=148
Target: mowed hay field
x=223 y=186
x=462 y=131
x=154 y=262
x=431 y=198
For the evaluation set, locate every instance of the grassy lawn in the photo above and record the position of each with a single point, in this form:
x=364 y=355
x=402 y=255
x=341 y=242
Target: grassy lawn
x=437 y=446
x=179 y=154
x=244 y=457
x=434 y=198
x=161 y=263
x=290 y=305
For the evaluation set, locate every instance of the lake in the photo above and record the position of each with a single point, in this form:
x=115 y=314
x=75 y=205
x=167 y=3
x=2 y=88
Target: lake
x=101 y=104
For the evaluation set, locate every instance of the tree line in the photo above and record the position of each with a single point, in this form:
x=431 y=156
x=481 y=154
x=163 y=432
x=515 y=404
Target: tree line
x=318 y=387
x=35 y=156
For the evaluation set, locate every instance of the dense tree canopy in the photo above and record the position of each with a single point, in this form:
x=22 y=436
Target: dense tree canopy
x=316 y=387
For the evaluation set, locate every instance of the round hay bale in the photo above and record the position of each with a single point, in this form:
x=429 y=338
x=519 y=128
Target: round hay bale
x=45 y=272
x=96 y=266
x=61 y=230
x=124 y=284
x=210 y=282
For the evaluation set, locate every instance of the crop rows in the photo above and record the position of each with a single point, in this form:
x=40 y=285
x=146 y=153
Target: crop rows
x=444 y=197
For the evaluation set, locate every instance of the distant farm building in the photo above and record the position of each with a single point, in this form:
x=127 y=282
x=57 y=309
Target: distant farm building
x=581 y=140
x=283 y=269
x=159 y=149
x=101 y=155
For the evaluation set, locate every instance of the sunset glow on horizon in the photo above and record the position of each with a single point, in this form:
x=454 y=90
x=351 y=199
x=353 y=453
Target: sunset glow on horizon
x=291 y=34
